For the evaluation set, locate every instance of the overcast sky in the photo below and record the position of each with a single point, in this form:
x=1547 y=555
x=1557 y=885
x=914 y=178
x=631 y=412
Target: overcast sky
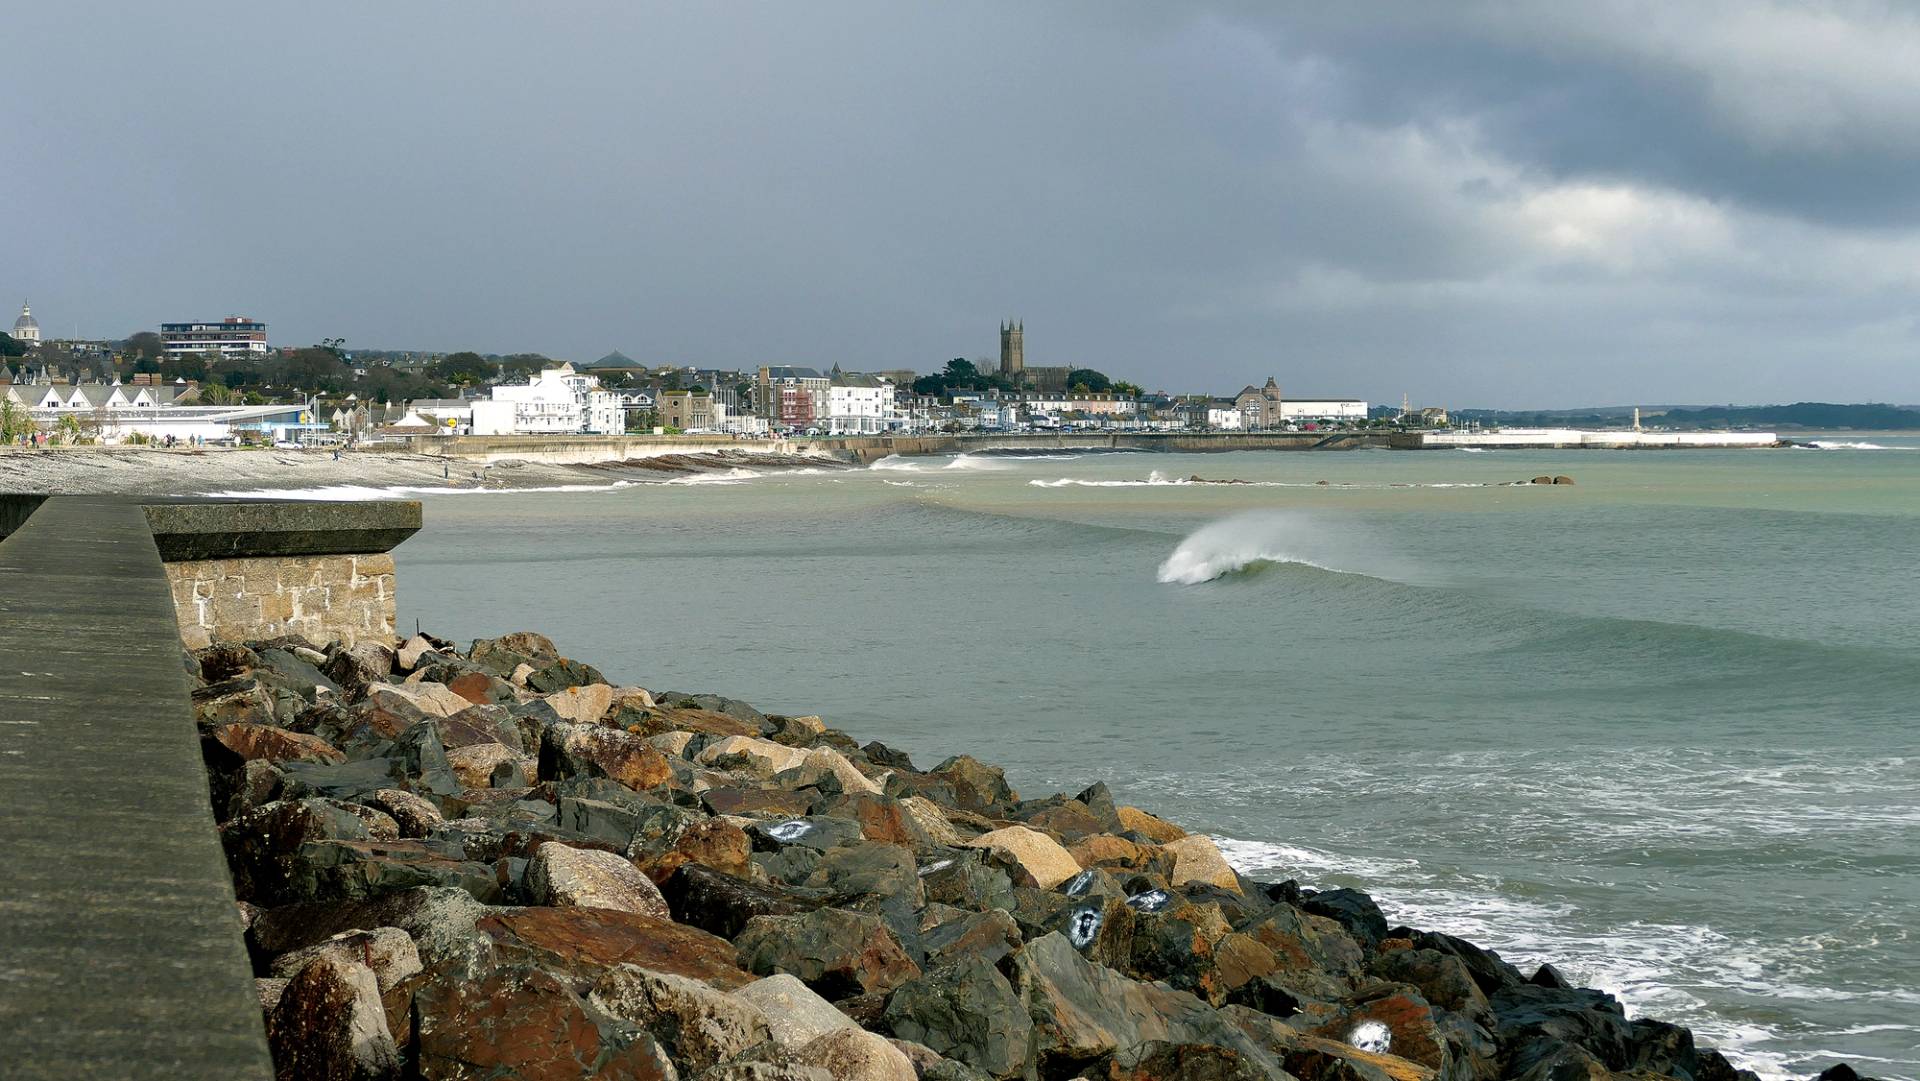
x=1473 y=204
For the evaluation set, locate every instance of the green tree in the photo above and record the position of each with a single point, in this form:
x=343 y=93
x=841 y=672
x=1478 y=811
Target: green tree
x=524 y=365
x=317 y=368
x=145 y=345
x=14 y=421
x=1094 y=382
x=11 y=348
x=464 y=369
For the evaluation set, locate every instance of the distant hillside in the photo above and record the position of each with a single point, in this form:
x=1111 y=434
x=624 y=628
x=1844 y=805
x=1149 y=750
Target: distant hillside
x=1808 y=415
x=1797 y=415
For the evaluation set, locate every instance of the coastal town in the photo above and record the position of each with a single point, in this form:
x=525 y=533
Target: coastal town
x=222 y=382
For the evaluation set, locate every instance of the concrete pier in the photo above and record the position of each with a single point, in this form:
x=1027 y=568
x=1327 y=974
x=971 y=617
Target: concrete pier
x=121 y=950
x=123 y=954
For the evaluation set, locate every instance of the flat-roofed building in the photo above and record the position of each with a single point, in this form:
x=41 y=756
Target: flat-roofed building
x=236 y=335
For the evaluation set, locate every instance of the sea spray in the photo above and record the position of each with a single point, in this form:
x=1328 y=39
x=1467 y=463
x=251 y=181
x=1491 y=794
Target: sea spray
x=1236 y=543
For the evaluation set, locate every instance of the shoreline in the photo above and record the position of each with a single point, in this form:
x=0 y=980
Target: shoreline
x=241 y=473
x=503 y=809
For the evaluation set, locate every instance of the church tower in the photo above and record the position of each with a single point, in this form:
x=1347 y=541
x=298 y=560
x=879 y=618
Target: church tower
x=1013 y=359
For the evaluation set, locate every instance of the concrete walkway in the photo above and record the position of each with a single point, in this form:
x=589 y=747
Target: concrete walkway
x=121 y=952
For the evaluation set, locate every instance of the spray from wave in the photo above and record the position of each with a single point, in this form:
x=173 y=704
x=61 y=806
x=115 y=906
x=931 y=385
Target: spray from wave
x=1836 y=444
x=1155 y=479
x=1239 y=543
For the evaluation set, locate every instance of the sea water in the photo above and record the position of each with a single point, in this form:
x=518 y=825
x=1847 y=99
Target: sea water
x=1657 y=727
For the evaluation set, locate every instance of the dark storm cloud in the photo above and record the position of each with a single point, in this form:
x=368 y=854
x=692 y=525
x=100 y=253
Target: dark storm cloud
x=1474 y=204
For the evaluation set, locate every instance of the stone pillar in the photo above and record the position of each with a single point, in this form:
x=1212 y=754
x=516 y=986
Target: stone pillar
x=317 y=597
x=266 y=569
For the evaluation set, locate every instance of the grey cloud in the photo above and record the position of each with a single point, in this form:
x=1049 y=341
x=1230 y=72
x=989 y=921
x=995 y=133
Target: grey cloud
x=1474 y=205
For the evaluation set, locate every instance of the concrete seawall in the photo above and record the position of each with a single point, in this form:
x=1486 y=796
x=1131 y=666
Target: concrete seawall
x=124 y=952
x=123 y=955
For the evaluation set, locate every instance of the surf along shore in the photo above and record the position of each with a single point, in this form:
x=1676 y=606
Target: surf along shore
x=496 y=861
x=151 y=471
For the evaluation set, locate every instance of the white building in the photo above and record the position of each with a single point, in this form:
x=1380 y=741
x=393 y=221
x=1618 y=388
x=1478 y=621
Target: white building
x=24 y=328
x=1225 y=418
x=559 y=401
x=236 y=335
x=1298 y=409
x=859 y=405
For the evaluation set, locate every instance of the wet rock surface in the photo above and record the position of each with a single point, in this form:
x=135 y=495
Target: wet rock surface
x=494 y=863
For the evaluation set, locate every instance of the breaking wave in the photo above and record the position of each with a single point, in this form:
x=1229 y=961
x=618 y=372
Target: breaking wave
x=1155 y=479
x=1236 y=544
x=1836 y=444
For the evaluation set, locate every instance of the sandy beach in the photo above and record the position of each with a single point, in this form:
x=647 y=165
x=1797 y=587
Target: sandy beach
x=149 y=471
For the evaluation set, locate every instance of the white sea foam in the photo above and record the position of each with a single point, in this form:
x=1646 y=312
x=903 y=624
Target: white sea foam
x=895 y=463
x=731 y=476
x=1837 y=444
x=977 y=464
x=1235 y=544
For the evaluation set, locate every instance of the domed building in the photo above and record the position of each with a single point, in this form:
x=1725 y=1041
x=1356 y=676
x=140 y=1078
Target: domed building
x=24 y=328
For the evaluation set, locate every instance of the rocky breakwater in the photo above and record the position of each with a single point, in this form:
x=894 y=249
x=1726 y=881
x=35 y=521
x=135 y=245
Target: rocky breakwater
x=493 y=863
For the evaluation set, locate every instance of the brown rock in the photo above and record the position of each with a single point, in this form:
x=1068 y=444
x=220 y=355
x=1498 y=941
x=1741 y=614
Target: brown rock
x=480 y=688
x=1408 y=1018
x=582 y=942
x=850 y=1054
x=705 y=721
x=1106 y=850
x=329 y=1025
x=252 y=742
x=718 y=844
x=522 y=1023
x=696 y=1025
x=569 y=749
x=579 y=877
x=756 y=802
x=414 y=816
x=387 y=951
x=1197 y=859
x=836 y=952
x=1159 y=829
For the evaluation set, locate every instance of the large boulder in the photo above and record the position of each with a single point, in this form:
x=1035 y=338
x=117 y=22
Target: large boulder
x=574 y=750
x=247 y=742
x=976 y=786
x=1352 y=910
x=1197 y=859
x=583 y=942
x=795 y=1016
x=966 y=1011
x=1040 y=859
x=560 y=875
x=387 y=951
x=835 y=952
x=1082 y=1011
x=521 y=1022
x=1590 y=1020
x=329 y=1025
x=722 y=904
x=1442 y=978
x=440 y=921
x=850 y=1054
x=697 y=1025
x=1157 y=830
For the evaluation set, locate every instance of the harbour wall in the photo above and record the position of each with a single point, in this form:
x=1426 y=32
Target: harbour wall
x=1579 y=439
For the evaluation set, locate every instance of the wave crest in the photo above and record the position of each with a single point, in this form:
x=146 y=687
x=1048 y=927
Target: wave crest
x=1236 y=544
